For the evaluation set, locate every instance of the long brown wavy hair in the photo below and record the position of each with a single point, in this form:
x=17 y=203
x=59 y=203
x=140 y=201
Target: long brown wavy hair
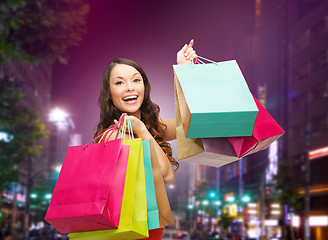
x=149 y=110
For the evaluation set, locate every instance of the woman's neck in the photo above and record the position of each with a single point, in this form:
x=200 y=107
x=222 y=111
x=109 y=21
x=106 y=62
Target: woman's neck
x=136 y=114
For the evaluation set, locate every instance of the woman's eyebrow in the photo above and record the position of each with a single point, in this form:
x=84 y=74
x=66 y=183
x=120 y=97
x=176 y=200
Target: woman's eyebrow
x=123 y=77
x=118 y=77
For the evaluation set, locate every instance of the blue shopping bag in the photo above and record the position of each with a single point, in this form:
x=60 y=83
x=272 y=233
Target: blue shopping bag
x=152 y=208
x=214 y=100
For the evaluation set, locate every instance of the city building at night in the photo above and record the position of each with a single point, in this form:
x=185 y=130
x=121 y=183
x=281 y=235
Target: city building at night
x=286 y=70
x=294 y=89
x=308 y=115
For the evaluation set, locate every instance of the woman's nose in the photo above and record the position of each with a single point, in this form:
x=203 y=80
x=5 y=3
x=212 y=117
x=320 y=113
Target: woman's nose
x=129 y=86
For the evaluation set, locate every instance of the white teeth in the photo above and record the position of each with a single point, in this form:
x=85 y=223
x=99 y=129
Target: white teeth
x=129 y=98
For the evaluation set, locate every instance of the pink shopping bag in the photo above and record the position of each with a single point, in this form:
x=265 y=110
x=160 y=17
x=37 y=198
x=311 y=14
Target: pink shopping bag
x=89 y=190
x=266 y=131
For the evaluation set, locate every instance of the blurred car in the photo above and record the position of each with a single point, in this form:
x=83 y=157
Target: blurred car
x=171 y=234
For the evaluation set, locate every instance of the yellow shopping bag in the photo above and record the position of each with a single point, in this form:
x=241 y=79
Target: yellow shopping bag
x=133 y=219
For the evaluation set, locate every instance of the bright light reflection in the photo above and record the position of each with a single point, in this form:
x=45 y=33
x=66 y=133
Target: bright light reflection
x=275 y=212
x=319 y=221
x=57 y=115
x=217 y=203
x=58 y=168
x=252 y=205
x=231 y=199
x=33 y=195
x=48 y=196
x=296 y=221
x=205 y=202
x=246 y=199
x=5 y=137
x=171 y=186
x=251 y=211
x=271 y=222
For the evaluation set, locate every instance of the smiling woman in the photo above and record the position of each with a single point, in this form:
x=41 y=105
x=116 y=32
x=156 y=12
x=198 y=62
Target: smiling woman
x=125 y=89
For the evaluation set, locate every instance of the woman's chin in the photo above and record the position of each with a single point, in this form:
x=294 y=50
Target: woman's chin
x=132 y=112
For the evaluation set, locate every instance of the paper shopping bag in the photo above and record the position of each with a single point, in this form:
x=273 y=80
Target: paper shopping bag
x=214 y=100
x=214 y=152
x=133 y=219
x=152 y=209
x=164 y=209
x=91 y=176
x=266 y=131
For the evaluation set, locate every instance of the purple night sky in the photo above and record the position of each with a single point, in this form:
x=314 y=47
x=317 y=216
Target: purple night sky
x=149 y=32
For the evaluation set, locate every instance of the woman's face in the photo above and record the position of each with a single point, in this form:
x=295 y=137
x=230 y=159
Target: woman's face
x=127 y=89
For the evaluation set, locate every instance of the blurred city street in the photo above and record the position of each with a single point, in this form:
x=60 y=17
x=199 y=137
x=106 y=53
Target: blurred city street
x=52 y=60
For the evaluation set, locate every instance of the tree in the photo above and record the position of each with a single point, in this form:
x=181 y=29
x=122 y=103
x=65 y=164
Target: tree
x=23 y=132
x=36 y=30
x=22 y=129
x=31 y=31
x=287 y=187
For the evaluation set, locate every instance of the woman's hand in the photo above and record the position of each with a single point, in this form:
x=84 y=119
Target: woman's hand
x=186 y=54
x=138 y=128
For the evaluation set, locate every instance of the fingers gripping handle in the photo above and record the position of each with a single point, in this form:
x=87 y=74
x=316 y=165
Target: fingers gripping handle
x=110 y=130
x=198 y=61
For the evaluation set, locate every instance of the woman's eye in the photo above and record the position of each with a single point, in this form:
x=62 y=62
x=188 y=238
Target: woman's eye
x=137 y=80
x=119 y=83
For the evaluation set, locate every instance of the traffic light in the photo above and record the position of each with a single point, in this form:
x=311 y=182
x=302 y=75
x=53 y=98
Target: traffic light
x=212 y=194
x=246 y=199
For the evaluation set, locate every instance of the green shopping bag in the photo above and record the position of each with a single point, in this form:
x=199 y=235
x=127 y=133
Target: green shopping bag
x=215 y=100
x=152 y=209
x=133 y=218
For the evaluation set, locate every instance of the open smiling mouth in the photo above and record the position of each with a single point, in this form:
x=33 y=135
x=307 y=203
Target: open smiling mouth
x=130 y=99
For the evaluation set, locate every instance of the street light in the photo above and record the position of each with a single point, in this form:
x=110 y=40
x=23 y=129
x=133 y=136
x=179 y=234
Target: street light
x=212 y=194
x=246 y=199
x=33 y=195
x=58 y=115
x=205 y=202
x=217 y=203
x=58 y=168
x=48 y=196
x=231 y=199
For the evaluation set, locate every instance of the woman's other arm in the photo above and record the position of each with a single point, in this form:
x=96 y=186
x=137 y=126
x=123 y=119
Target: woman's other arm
x=184 y=56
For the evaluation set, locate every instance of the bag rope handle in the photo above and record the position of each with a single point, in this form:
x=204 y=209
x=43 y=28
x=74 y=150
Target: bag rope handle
x=111 y=131
x=103 y=134
x=199 y=61
x=127 y=125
